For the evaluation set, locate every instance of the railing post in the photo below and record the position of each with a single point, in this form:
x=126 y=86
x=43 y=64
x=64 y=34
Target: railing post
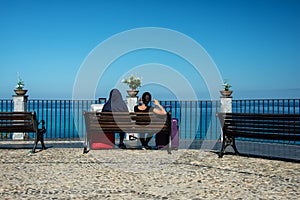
x=20 y=105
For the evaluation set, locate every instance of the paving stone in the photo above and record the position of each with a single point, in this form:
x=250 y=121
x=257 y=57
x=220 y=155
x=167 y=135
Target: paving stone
x=67 y=173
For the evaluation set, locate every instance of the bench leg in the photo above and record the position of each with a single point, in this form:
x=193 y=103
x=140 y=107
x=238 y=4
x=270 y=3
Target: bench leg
x=86 y=148
x=234 y=147
x=228 y=141
x=221 y=153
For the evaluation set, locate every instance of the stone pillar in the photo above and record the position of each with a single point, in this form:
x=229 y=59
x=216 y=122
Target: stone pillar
x=131 y=102
x=20 y=104
x=226 y=104
x=131 y=140
x=226 y=107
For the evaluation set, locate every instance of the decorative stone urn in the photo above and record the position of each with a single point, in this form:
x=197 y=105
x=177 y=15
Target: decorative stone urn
x=20 y=92
x=226 y=93
x=132 y=93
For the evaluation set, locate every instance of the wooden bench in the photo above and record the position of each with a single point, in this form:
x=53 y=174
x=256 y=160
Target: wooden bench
x=284 y=127
x=126 y=122
x=21 y=122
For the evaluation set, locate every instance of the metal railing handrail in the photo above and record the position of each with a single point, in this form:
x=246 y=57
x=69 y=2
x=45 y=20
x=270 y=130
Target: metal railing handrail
x=197 y=118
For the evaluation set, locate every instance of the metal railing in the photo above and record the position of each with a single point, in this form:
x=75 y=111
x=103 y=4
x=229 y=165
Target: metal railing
x=197 y=119
x=279 y=106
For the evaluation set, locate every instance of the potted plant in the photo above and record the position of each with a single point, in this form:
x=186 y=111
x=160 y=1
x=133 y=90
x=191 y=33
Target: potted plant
x=20 y=87
x=133 y=83
x=226 y=92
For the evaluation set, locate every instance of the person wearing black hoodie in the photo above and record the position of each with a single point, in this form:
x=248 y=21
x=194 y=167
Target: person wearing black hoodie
x=115 y=103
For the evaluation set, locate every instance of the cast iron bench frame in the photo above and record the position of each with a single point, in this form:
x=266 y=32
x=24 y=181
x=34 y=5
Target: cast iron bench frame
x=258 y=126
x=125 y=122
x=22 y=122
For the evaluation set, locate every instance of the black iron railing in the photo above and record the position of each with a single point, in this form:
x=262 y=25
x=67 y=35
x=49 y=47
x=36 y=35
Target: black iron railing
x=280 y=106
x=197 y=119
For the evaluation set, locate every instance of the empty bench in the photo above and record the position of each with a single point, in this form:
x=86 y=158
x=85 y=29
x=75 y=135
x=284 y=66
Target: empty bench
x=284 y=127
x=22 y=122
x=125 y=122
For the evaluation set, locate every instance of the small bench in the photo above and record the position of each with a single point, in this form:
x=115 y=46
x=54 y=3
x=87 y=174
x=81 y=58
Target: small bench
x=22 y=122
x=126 y=122
x=284 y=127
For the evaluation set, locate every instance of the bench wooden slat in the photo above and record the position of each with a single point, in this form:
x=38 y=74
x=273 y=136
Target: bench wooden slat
x=263 y=129
x=130 y=126
x=257 y=115
x=255 y=135
x=15 y=117
x=126 y=129
x=268 y=124
x=19 y=128
x=153 y=131
x=7 y=123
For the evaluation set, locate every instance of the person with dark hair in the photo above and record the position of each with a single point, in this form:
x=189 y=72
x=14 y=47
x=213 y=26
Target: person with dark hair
x=145 y=107
x=115 y=103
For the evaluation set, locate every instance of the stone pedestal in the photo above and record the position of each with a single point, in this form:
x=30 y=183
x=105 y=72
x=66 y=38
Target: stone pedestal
x=131 y=140
x=226 y=107
x=96 y=107
x=226 y=104
x=20 y=104
x=131 y=102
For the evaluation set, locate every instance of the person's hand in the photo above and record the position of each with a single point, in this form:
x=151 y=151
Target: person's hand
x=156 y=102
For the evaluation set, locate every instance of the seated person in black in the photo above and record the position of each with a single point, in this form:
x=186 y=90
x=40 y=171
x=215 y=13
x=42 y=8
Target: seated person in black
x=145 y=107
x=115 y=103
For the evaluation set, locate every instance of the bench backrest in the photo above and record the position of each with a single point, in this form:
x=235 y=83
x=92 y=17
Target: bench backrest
x=126 y=122
x=264 y=126
x=18 y=122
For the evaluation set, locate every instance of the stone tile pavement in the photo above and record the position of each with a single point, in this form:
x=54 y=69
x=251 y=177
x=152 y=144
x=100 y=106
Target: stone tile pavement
x=67 y=173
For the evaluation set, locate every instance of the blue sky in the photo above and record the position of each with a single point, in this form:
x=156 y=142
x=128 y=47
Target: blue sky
x=254 y=44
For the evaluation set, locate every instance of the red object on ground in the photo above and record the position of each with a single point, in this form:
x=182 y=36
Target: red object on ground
x=102 y=141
